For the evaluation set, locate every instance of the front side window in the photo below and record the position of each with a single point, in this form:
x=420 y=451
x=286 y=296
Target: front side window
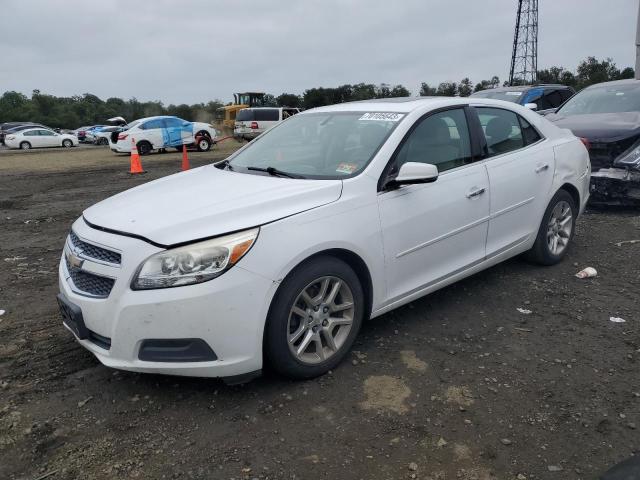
x=441 y=139
x=327 y=145
x=173 y=122
x=501 y=129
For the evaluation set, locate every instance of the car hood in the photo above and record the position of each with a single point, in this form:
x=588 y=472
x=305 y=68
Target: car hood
x=205 y=202
x=600 y=127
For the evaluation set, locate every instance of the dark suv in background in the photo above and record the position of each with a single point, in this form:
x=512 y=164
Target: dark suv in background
x=546 y=97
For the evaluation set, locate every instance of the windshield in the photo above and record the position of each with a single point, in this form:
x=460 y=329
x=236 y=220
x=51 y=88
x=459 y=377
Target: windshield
x=320 y=145
x=604 y=99
x=509 y=96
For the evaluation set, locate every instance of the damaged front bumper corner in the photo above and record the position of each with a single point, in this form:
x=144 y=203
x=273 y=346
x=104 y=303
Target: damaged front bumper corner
x=615 y=186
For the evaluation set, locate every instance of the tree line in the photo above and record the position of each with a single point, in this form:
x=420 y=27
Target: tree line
x=88 y=109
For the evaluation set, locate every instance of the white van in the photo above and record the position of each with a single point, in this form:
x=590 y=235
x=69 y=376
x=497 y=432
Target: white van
x=251 y=122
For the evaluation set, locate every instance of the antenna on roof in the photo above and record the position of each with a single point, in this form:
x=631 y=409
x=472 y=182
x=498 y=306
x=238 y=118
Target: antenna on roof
x=524 y=59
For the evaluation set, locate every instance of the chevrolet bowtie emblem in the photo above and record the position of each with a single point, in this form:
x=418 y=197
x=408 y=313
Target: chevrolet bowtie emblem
x=75 y=262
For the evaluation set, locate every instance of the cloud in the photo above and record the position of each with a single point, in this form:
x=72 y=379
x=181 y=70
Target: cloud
x=193 y=51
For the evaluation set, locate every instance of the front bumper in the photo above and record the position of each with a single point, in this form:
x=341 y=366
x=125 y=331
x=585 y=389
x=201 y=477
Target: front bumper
x=615 y=186
x=227 y=313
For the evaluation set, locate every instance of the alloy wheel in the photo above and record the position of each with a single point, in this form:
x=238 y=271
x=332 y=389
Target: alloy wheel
x=559 y=228
x=320 y=320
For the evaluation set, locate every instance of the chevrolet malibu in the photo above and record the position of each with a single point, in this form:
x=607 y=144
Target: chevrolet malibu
x=277 y=255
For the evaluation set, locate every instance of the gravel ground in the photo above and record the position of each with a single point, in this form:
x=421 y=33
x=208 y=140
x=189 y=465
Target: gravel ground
x=457 y=385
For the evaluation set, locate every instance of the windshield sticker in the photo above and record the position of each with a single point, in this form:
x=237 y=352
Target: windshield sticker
x=346 y=168
x=515 y=94
x=382 y=116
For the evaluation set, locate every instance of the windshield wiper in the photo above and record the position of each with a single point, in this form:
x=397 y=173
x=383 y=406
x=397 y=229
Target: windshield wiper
x=225 y=165
x=275 y=172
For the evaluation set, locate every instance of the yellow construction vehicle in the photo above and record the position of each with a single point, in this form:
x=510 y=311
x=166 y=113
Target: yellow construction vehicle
x=226 y=116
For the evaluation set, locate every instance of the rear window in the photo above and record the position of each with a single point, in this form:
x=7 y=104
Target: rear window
x=245 y=115
x=259 y=114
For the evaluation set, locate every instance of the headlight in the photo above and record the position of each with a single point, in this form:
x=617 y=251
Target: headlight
x=195 y=263
x=630 y=158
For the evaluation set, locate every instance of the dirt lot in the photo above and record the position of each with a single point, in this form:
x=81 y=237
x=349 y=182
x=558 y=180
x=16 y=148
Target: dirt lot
x=458 y=385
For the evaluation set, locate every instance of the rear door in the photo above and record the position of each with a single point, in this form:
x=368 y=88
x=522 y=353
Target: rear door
x=47 y=138
x=520 y=165
x=153 y=132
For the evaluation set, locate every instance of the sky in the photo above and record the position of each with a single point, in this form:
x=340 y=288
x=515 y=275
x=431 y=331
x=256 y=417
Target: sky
x=193 y=51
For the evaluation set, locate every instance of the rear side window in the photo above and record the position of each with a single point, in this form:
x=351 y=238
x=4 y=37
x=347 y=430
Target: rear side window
x=501 y=129
x=267 y=114
x=529 y=133
x=31 y=133
x=156 y=123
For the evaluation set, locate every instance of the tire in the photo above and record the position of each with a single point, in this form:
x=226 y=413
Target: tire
x=286 y=329
x=203 y=144
x=144 y=147
x=558 y=225
x=67 y=143
x=178 y=148
x=103 y=141
x=25 y=146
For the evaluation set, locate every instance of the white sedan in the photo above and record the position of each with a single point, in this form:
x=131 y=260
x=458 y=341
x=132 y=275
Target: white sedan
x=154 y=133
x=341 y=213
x=40 y=137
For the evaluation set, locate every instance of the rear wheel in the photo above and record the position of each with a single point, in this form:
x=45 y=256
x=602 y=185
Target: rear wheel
x=103 y=141
x=144 y=147
x=314 y=318
x=556 y=230
x=25 y=146
x=67 y=143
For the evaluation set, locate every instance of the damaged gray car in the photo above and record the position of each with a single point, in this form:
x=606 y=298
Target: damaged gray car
x=607 y=116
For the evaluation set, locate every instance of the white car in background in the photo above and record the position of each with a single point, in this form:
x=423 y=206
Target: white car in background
x=39 y=138
x=102 y=135
x=252 y=122
x=153 y=133
x=341 y=213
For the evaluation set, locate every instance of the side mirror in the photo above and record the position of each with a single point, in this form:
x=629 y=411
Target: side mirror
x=531 y=106
x=415 y=172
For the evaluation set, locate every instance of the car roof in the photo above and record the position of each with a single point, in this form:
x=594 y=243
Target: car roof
x=518 y=88
x=153 y=118
x=614 y=83
x=407 y=104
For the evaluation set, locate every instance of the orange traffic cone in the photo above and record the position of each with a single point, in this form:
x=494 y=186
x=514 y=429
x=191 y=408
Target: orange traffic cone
x=136 y=166
x=185 y=158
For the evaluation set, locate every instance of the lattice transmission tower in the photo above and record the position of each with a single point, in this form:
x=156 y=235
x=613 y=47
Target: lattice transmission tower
x=524 y=59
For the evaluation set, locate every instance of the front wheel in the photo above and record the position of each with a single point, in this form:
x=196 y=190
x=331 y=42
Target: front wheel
x=67 y=143
x=314 y=318
x=556 y=230
x=204 y=144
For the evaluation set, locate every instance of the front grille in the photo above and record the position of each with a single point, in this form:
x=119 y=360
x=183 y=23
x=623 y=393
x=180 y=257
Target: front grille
x=93 y=251
x=89 y=283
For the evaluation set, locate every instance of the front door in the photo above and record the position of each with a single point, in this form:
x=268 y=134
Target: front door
x=432 y=231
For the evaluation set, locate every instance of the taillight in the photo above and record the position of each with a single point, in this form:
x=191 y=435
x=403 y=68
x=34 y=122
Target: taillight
x=123 y=136
x=585 y=142
x=254 y=125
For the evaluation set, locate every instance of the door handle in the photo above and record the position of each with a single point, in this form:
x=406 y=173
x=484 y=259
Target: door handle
x=475 y=193
x=542 y=168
